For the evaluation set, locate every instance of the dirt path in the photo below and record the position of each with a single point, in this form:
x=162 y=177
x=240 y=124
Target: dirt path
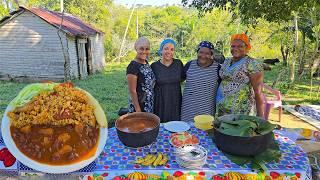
x=290 y=121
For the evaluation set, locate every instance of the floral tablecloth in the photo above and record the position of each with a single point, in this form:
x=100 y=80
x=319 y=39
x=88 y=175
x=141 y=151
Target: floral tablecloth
x=116 y=159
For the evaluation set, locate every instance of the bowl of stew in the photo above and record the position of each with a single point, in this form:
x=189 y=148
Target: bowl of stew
x=60 y=146
x=137 y=129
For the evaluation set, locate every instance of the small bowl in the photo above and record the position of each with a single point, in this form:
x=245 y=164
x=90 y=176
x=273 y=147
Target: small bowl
x=137 y=129
x=203 y=119
x=203 y=122
x=204 y=127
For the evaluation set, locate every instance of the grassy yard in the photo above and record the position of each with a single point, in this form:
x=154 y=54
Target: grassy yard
x=299 y=93
x=110 y=89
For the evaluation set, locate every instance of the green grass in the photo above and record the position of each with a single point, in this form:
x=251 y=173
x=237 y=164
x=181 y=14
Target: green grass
x=8 y=90
x=110 y=89
x=297 y=93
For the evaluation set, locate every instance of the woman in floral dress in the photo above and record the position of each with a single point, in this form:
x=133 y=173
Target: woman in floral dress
x=240 y=91
x=141 y=79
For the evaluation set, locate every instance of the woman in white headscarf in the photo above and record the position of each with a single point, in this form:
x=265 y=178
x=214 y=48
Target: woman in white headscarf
x=141 y=79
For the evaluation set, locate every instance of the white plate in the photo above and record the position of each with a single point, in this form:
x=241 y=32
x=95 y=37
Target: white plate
x=6 y=135
x=177 y=126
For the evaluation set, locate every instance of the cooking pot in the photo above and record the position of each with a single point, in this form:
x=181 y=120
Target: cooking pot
x=137 y=129
x=238 y=145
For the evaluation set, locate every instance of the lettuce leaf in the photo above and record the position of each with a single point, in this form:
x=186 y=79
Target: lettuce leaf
x=30 y=91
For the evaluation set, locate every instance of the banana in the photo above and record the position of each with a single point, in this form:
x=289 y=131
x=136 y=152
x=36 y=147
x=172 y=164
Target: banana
x=139 y=160
x=158 y=159
x=148 y=162
x=164 y=160
x=148 y=157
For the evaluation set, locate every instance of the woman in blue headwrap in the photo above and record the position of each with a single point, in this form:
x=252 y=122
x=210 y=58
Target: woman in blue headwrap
x=169 y=74
x=202 y=80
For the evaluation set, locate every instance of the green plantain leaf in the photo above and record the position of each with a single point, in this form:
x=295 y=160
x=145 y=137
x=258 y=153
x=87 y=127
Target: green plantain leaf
x=240 y=160
x=245 y=126
x=258 y=162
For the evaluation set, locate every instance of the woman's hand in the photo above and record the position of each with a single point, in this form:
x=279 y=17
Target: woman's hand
x=132 y=86
x=256 y=81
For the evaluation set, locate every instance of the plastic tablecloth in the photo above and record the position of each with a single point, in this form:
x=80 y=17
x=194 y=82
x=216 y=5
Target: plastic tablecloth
x=117 y=159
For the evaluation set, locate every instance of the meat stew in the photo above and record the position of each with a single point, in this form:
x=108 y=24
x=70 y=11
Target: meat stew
x=56 y=145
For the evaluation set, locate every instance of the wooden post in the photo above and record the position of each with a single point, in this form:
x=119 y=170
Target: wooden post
x=61 y=6
x=125 y=33
x=295 y=45
x=137 y=25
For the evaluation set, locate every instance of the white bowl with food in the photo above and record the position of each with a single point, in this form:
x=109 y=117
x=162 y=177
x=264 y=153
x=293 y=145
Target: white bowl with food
x=54 y=128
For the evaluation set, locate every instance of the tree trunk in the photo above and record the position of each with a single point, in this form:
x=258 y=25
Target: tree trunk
x=7 y=4
x=295 y=45
x=17 y=3
x=315 y=60
x=302 y=51
x=285 y=53
x=315 y=69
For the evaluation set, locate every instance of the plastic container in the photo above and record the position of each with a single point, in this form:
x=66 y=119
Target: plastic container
x=204 y=122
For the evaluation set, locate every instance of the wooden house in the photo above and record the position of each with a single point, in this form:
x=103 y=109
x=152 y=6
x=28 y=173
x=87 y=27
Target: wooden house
x=39 y=44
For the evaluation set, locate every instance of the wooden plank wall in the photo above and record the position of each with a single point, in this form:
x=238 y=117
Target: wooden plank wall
x=72 y=45
x=97 y=47
x=30 y=47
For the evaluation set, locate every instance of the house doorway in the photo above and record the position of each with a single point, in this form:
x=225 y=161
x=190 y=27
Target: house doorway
x=82 y=57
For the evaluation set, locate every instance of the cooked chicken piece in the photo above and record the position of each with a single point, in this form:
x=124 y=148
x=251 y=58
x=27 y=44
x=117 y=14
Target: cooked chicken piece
x=46 y=141
x=64 y=137
x=79 y=128
x=64 y=150
x=46 y=131
x=26 y=129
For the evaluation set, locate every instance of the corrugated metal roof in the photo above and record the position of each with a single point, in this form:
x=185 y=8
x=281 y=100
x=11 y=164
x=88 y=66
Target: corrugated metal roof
x=71 y=25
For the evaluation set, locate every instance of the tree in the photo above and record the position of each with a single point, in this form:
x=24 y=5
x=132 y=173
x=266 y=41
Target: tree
x=3 y=11
x=271 y=10
x=250 y=10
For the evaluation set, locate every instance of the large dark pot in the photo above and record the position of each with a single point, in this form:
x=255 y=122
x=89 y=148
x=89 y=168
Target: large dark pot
x=138 y=129
x=243 y=146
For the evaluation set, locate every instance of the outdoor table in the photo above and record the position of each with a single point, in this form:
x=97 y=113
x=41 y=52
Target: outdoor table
x=117 y=159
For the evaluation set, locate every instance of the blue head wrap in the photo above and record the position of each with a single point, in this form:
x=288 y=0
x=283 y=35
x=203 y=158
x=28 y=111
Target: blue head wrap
x=164 y=42
x=206 y=44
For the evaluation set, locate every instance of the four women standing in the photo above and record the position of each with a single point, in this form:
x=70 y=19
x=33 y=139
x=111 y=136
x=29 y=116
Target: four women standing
x=157 y=88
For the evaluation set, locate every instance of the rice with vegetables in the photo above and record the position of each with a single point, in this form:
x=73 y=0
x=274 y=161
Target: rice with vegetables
x=56 y=124
x=64 y=105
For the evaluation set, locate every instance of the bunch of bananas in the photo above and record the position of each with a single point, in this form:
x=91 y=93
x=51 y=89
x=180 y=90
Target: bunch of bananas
x=157 y=159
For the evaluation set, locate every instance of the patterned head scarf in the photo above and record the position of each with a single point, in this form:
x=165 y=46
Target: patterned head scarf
x=206 y=44
x=164 y=42
x=242 y=37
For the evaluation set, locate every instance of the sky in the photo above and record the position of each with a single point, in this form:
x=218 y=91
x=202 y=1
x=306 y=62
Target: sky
x=148 y=2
